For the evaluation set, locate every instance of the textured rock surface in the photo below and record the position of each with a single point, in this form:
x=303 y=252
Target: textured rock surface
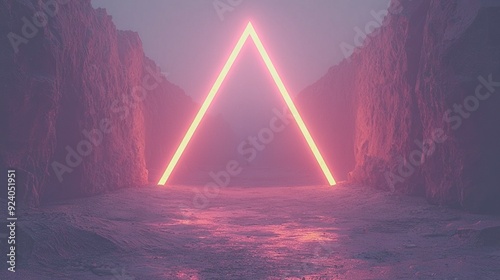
x=78 y=73
x=402 y=84
x=66 y=72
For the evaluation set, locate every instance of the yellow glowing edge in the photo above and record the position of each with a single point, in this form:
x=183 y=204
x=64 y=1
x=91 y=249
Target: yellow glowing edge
x=248 y=32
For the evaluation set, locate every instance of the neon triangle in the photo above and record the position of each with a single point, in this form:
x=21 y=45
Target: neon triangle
x=248 y=32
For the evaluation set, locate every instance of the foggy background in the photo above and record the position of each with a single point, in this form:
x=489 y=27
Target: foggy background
x=191 y=41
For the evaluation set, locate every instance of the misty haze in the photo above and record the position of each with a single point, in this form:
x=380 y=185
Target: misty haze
x=238 y=139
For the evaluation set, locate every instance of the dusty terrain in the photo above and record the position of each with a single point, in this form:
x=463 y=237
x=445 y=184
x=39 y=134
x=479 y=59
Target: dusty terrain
x=303 y=232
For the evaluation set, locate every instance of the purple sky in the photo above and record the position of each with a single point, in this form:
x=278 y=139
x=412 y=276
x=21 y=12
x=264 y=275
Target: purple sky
x=190 y=41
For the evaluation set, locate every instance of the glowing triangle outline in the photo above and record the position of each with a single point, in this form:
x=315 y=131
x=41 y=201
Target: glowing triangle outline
x=248 y=32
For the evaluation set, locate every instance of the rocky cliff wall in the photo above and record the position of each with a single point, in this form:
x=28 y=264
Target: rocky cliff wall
x=82 y=109
x=420 y=102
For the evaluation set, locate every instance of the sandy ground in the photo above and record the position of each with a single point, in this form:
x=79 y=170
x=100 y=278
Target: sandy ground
x=305 y=232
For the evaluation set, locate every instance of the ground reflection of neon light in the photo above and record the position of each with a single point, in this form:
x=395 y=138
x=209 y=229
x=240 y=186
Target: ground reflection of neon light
x=249 y=32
